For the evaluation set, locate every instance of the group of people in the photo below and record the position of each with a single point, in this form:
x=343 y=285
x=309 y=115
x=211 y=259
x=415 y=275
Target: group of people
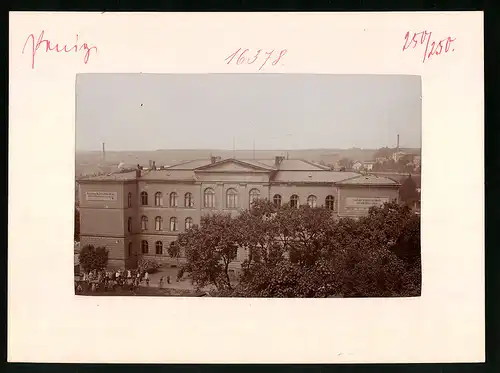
x=108 y=281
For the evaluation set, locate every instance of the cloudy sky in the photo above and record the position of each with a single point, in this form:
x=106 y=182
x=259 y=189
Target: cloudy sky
x=276 y=111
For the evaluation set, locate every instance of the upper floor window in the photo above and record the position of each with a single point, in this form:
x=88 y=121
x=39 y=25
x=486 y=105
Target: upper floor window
x=130 y=249
x=158 y=223
x=158 y=199
x=312 y=201
x=277 y=200
x=144 y=223
x=188 y=200
x=231 y=198
x=254 y=195
x=173 y=224
x=144 y=198
x=330 y=203
x=294 y=201
x=173 y=199
x=159 y=247
x=209 y=198
x=129 y=202
x=188 y=223
x=129 y=224
x=144 y=247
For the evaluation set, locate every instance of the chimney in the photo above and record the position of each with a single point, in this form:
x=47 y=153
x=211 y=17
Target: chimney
x=138 y=171
x=398 y=144
x=153 y=165
x=103 y=151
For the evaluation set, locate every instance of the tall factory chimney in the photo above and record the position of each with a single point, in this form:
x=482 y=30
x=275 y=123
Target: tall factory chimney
x=398 y=144
x=103 y=151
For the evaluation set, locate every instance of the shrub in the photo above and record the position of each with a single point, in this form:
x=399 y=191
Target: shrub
x=148 y=265
x=92 y=257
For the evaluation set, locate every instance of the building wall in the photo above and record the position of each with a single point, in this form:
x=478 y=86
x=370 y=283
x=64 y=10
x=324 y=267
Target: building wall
x=105 y=222
x=363 y=192
x=303 y=191
x=116 y=246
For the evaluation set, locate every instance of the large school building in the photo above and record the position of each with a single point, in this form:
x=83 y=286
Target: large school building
x=143 y=211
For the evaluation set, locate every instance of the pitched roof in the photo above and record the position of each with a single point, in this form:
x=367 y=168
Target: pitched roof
x=368 y=180
x=312 y=176
x=189 y=165
x=119 y=176
x=167 y=174
x=294 y=165
x=244 y=163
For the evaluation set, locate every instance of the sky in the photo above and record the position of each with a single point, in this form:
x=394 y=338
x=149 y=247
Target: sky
x=268 y=111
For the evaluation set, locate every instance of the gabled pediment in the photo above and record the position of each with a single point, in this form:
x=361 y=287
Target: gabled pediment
x=232 y=165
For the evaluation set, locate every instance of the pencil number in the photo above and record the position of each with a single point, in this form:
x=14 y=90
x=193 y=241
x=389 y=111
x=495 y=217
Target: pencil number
x=246 y=56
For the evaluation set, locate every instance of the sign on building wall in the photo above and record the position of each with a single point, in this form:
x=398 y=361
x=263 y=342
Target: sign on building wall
x=101 y=196
x=363 y=204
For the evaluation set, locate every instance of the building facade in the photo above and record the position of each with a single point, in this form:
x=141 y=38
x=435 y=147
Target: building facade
x=143 y=211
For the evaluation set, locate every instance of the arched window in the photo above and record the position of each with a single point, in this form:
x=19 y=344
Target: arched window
x=330 y=203
x=144 y=247
x=158 y=223
x=129 y=224
x=130 y=249
x=188 y=223
x=294 y=201
x=312 y=200
x=159 y=247
x=231 y=198
x=173 y=200
x=144 y=223
x=209 y=198
x=144 y=198
x=277 y=200
x=158 y=199
x=254 y=195
x=129 y=203
x=188 y=200
x=173 y=224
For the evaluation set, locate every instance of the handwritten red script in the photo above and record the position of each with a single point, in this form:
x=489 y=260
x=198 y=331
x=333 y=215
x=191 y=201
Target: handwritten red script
x=246 y=56
x=50 y=47
x=432 y=47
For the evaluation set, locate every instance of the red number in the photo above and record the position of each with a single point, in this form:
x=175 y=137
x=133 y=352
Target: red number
x=282 y=53
x=408 y=43
x=449 y=40
x=255 y=57
x=241 y=59
x=231 y=57
x=268 y=56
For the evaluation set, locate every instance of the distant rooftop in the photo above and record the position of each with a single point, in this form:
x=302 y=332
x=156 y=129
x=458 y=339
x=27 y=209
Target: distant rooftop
x=288 y=171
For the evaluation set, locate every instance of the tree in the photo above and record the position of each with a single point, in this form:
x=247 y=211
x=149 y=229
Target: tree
x=346 y=163
x=314 y=256
x=306 y=252
x=384 y=153
x=92 y=257
x=77 y=224
x=408 y=191
x=209 y=249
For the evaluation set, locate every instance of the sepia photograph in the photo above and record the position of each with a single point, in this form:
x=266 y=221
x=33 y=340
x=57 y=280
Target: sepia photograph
x=248 y=185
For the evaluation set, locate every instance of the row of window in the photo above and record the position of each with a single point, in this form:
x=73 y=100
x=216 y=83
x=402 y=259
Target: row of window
x=145 y=247
x=173 y=200
x=158 y=247
x=174 y=224
x=231 y=199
